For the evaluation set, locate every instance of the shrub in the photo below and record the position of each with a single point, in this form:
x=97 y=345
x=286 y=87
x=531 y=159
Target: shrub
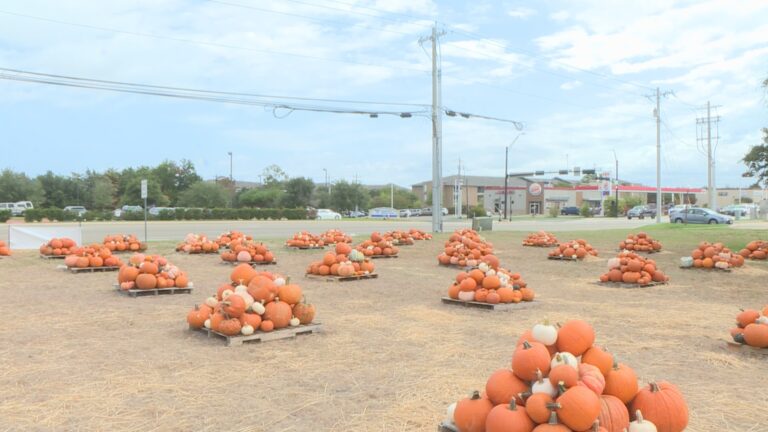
x=478 y=211
x=5 y=215
x=554 y=211
x=585 y=211
x=166 y=215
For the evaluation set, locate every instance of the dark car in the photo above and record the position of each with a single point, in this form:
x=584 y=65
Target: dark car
x=565 y=211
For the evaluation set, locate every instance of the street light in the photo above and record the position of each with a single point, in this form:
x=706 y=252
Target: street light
x=231 y=179
x=506 y=176
x=616 y=195
x=327 y=185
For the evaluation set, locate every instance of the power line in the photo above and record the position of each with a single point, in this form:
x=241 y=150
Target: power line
x=353 y=11
x=204 y=43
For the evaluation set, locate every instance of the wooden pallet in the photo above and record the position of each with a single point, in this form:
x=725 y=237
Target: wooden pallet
x=639 y=252
x=332 y=278
x=52 y=256
x=259 y=336
x=304 y=247
x=154 y=292
x=458 y=267
x=251 y=263
x=543 y=246
x=630 y=286
x=447 y=427
x=76 y=270
x=489 y=306
x=707 y=269
x=382 y=256
x=563 y=258
x=738 y=347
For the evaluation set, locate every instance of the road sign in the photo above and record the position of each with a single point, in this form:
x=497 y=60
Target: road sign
x=143 y=189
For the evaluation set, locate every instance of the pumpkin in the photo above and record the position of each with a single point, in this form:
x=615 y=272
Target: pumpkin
x=262 y=288
x=71 y=261
x=493 y=297
x=244 y=256
x=503 y=386
x=641 y=424
x=471 y=413
x=506 y=295
x=578 y=408
x=146 y=281
x=591 y=378
x=529 y=358
x=250 y=319
x=543 y=385
x=508 y=418
x=537 y=407
x=468 y=284
x=230 y=327
x=552 y=425
x=304 y=311
x=279 y=312
x=234 y=306
x=545 y=333
x=243 y=273
x=267 y=326
x=564 y=373
x=491 y=282
x=565 y=358
x=181 y=281
x=621 y=382
x=453 y=291
x=663 y=405
x=197 y=316
x=614 y=415
x=290 y=293
x=756 y=335
x=575 y=337
x=602 y=359
x=746 y=317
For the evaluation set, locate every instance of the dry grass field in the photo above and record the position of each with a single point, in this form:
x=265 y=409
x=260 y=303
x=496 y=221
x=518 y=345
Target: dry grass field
x=78 y=356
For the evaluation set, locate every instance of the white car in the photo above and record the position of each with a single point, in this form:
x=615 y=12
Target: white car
x=326 y=214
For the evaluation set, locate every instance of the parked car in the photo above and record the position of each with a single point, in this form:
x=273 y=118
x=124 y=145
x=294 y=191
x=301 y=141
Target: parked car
x=566 y=211
x=20 y=207
x=740 y=210
x=426 y=211
x=641 y=212
x=155 y=211
x=327 y=214
x=6 y=206
x=79 y=210
x=404 y=213
x=126 y=209
x=354 y=214
x=415 y=212
x=384 y=213
x=699 y=215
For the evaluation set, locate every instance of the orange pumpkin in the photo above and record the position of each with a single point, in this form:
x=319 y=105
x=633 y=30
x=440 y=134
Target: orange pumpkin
x=614 y=415
x=579 y=408
x=621 y=382
x=146 y=281
x=537 y=407
x=503 y=386
x=575 y=337
x=663 y=405
x=598 y=357
x=471 y=413
x=508 y=418
x=530 y=358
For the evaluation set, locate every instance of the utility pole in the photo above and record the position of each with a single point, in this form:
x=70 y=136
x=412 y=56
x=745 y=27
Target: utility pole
x=457 y=193
x=711 y=184
x=327 y=184
x=231 y=178
x=506 y=182
x=657 y=114
x=616 y=195
x=392 y=195
x=437 y=132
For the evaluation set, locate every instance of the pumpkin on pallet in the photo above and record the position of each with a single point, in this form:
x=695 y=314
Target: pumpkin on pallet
x=640 y=242
x=540 y=239
x=399 y=238
x=489 y=283
x=4 y=249
x=751 y=327
x=345 y=261
x=756 y=250
x=247 y=251
x=58 y=247
x=333 y=236
x=575 y=249
x=418 y=234
x=712 y=255
x=464 y=248
x=631 y=268
x=224 y=239
x=124 y=243
x=197 y=244
x=252 y=302
x=377 y=245
x=559 y=380
x=146 y=272
x=92 y=256
x=304 y=240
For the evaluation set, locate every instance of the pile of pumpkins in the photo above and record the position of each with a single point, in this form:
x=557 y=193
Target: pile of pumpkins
x=631 y=268
x=751 y=328
x=418 y=234
x=91 y=256
x=333 y=236
x=712 y=255
x=540 y=239
x=252 y=302
x=4 y=249
x=124 y=243
x=399 y=238
x=247 y=251
x=464 y=248
x=560 y=381
x=305 y=240
x=489 y=283
x=576 y=249
x=345 y=261
x=197 y=244
x=377 y=245
x=640 y=242
x=58 y=247
x=756 y=250
x=228 y=237
x=147 y=272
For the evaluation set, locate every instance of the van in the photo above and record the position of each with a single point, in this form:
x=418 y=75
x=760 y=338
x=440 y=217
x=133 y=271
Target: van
x=20 y=207
x=6 y=206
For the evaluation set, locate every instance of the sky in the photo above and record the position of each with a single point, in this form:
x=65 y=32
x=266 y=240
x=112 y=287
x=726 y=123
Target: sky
x=579 y=76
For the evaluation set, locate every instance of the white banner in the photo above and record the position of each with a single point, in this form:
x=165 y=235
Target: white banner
x=33 y=236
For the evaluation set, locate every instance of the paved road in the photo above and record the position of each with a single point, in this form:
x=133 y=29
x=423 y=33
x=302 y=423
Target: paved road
x=176 y=230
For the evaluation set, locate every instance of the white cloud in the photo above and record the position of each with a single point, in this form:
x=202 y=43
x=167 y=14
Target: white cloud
x=570 y=85
x=521 y=12
x=560 y=16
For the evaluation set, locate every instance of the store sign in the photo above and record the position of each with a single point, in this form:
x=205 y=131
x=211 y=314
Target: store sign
x=535 y=189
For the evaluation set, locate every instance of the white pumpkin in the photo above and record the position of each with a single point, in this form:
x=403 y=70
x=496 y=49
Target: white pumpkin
x=247 y=330
x=449 y=412
x=484 y=267
x=207 y=323
x=246 y=297
x=466 y=295
x=258 y=308
x=294 y=322
x=762 y=320
x=280 y=281
x=641 y=425
x=226 y=293
x=545 y=333
x=614 y=263
x=542 y=385
x=241 y=288
x=211 y=301
x=564 y=358
x=490 y=272
x=686 y=262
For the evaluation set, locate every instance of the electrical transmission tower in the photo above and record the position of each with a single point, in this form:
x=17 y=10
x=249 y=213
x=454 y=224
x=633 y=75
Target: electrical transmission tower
x=704 y=135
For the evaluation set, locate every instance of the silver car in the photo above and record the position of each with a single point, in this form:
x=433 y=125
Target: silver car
x=699 y=216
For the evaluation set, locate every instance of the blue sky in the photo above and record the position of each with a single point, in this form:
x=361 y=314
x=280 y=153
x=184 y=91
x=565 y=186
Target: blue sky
x=574 y=72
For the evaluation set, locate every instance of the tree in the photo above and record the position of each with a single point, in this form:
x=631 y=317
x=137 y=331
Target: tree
x=298 y=192
x=18 y=187
x=262 y=197
x=205 y=195
x=348 y=196
x=175 y=179
x=132 y=193
x=273 y=176
x=756 y=161
x=102 y=194
x=402 y=198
